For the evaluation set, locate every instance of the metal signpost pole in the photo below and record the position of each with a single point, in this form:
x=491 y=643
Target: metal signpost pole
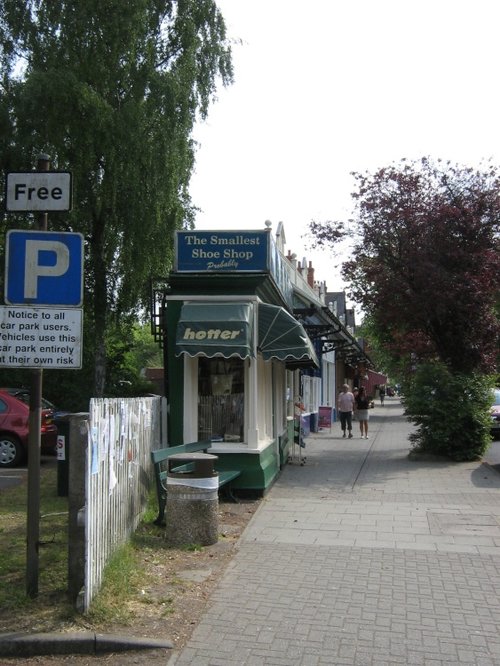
x=30 y=281
x=35 y=422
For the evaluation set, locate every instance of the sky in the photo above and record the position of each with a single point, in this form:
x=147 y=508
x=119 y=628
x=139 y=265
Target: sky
x=325 y=88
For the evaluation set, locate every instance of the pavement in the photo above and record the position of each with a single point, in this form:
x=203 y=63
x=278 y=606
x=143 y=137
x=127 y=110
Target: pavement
x=363 y=556
x=358 y=556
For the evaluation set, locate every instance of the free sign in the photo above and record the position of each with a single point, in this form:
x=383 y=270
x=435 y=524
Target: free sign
x=41 y=191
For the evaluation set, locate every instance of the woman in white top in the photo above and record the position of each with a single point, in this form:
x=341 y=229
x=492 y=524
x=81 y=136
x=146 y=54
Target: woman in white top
x=345 y=405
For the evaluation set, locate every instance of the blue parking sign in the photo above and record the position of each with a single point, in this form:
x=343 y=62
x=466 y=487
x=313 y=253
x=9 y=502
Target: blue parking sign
x=44 y=268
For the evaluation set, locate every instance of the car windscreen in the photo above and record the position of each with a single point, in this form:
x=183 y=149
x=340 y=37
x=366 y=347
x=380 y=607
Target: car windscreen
x=24 y=396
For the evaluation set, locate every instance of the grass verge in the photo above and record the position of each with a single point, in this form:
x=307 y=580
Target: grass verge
x=122 y=579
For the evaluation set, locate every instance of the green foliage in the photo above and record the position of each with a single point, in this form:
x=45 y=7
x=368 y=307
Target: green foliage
x=450 y=410
x=425 y=267
x=130 y=348
x=121 y=579
x=111 y=91
x=376 y=340
x=426 y=263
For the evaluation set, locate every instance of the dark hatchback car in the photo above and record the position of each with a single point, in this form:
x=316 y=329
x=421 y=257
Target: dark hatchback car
x=14 y=427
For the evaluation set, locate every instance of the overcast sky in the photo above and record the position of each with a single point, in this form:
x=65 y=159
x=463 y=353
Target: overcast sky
x=326 y=87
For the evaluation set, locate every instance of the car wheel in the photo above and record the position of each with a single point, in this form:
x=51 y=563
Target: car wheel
x=11 y=451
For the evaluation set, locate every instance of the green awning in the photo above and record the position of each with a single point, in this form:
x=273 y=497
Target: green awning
x=215 y=329
x=282 y=337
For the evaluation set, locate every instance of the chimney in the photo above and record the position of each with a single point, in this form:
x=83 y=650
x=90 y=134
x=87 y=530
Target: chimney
x=310 y=275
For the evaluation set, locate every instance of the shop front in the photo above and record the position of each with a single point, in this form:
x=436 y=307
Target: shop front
x=234 y=352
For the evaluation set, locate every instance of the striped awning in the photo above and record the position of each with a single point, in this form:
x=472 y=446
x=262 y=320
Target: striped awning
x=282 y=337
x=226 y=330
x=215 y=329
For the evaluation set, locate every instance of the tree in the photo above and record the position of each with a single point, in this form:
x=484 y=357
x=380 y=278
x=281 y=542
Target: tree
x=426 y=270
x=111 y=91
x=383 y=360
x=425 y=264
x=131 y=349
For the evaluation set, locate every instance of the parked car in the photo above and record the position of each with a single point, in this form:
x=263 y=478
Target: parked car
x=14 y=427
x=495 y=414
x=24 y=395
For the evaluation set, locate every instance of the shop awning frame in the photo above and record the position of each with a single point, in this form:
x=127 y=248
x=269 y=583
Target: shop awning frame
x=323 y=326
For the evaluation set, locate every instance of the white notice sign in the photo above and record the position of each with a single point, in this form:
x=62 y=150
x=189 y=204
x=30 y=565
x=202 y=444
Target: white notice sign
x=47 y=338
x=38 y=190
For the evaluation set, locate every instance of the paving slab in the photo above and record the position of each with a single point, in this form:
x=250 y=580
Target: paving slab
x=363 y=556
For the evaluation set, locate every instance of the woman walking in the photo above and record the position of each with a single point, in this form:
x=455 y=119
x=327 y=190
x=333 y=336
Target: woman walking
x=346 y=404
x=362 y=407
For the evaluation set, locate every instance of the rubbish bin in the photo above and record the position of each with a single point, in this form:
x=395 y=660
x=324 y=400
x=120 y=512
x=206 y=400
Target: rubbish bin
x=192 y=500
x=63 y=445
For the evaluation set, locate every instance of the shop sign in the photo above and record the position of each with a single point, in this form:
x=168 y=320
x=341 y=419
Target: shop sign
x=222 y=251
x=225 y=334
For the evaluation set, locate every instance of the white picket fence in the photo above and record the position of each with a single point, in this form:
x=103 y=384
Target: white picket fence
x=119 y=474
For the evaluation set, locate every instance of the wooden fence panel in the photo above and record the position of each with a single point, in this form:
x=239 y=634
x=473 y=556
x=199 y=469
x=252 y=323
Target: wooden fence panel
x=119 y=474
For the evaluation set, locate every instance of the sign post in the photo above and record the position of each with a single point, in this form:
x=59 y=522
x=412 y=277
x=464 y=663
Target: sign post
x=41 y=269
x=35 y=426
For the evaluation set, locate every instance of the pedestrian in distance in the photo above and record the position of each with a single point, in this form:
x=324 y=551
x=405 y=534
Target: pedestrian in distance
x=362 y=413
x=345 y=404
x=355 y=393
x=381 y=393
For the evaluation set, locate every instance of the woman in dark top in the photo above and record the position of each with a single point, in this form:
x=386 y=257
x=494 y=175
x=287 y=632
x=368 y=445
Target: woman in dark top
x=362 y=407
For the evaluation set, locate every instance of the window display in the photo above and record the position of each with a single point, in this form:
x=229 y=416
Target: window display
x=221 y=394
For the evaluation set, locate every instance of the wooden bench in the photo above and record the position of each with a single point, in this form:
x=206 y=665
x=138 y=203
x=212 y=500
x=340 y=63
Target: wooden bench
x=160 y=462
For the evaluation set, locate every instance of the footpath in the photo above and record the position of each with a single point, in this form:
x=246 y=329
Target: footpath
x=363 y=556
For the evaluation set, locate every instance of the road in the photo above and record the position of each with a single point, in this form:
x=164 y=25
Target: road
x=14 y=476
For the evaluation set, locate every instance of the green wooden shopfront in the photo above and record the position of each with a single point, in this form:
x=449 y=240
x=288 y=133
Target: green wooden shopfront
x=236 y=357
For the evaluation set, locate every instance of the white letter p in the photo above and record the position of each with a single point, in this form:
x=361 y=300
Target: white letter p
x=33 y=270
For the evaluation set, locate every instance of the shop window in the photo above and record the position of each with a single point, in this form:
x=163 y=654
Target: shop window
x=290 y=394
x=265 y=400
x=329 y=385
x=306 y=392
x=311 y=389
x=221 y=399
